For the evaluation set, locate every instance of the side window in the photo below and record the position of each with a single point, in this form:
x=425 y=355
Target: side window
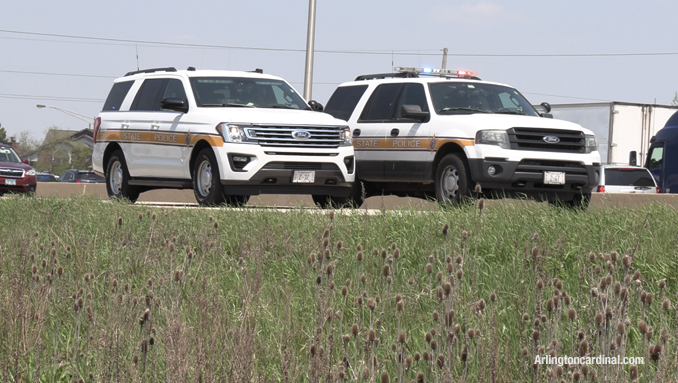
x=381 y=105
x=175 y=89
x=117 y=95
x=655 y=158
x=344 y=100
x=68 y=176
x=413 y=94
x=148 y=97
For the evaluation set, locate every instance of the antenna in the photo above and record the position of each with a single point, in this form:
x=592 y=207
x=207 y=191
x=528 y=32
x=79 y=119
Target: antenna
x=136 y=47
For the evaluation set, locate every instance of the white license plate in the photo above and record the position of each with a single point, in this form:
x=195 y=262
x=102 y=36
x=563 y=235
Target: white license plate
x=554 y=178
x=303 y=177
x=10 y=182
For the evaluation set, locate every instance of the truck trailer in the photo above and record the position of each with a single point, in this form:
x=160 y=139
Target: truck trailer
x=620 y=127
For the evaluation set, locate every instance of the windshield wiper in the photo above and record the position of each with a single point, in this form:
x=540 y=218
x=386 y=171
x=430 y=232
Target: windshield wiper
x=511 y=112
x=278 y=106
x=465 y=110
x=229 y=104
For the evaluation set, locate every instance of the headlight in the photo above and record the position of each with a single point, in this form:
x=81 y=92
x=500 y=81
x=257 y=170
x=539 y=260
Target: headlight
x=591 y=143
x=493 y=137
x=232 y=132
x=30 y=172
x=347 y=136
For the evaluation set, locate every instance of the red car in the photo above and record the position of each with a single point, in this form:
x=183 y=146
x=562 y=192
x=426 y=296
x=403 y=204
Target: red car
x=15 y=175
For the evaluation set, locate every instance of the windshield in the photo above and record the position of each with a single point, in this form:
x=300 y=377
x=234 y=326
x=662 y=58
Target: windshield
x=452 y=97
x=245 y=92
x=9 y=155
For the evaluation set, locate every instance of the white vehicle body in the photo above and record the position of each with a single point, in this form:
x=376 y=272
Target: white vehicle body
x=402 y=155
x=626 y=179
x=258 y=149
x=620 y=127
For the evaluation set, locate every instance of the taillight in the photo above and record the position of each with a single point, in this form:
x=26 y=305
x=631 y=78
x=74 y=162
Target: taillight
x=97 y=124
x=77 y=181
x=601 y=189
x=658 y=191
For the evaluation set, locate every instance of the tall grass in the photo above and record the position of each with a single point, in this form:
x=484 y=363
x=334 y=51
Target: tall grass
x=108 y=292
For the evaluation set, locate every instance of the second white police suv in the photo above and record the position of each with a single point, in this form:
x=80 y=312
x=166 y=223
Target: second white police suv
x=432 y=132
x=227 y=135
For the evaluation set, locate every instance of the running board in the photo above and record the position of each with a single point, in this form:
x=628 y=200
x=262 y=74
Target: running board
x=175 y=184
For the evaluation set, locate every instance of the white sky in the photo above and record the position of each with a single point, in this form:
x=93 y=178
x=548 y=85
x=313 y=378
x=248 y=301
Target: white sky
x=405 y=33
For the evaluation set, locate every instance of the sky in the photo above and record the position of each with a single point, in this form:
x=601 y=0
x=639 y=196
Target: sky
x=66 y=54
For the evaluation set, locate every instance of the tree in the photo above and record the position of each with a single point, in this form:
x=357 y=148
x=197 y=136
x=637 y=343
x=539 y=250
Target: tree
x=3 y=134
x=25 y=144
x=675 y=99
x=81 y=156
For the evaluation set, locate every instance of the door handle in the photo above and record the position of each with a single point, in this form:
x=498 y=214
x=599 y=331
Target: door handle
x=125 y=126
x=395 y=132
x=155 y=126
x=356 y=132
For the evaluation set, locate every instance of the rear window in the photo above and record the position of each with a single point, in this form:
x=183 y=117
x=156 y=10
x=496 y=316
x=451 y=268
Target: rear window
x=117 y=95
x=91 y=176
x=344 y=100
x=632 y=177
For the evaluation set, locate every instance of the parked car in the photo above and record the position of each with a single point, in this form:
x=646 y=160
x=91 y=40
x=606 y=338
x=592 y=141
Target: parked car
x=662 y=158
x=16 y=176
x=81 y=176
x=46 y=177
x=626 y=179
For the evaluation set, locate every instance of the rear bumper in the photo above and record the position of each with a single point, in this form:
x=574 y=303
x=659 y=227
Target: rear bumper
x=526 y=177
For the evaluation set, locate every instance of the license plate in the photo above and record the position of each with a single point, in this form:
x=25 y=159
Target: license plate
x=10 y=182
x=303 y=177
x=554 y=178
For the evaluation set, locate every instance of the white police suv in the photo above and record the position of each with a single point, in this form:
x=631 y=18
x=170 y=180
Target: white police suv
x=431 y=132
x=225 y=134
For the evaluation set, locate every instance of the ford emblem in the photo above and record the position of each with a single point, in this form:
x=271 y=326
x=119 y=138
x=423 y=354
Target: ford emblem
x=551 y=139
x=301 y=134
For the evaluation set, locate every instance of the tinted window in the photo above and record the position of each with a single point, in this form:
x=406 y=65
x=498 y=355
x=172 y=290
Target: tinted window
x=66 y=176
x=381 y=104
x=655 y=158
x=117 y=95
x=175 y=89
x=343 y=101
x=148 y=96
x=630 y=177
x=413 y=94
x=91 y=176
x=45 y=178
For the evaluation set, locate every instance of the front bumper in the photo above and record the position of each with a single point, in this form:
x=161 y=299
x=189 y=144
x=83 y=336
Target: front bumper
x=527 y=177
x=24 y=185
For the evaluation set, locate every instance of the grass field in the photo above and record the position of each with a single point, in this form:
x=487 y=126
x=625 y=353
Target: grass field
x=107 y=292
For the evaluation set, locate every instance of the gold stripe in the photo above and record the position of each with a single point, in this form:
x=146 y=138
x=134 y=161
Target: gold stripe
x=432 y=144
x=158 y=137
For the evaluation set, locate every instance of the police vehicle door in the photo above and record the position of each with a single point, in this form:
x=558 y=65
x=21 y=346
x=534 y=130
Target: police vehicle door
x=407 y=155
x=374 y=122
x=173 y=154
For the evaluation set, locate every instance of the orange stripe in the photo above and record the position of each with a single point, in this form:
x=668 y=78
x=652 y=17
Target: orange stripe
x=158 y=138
x=432 y=144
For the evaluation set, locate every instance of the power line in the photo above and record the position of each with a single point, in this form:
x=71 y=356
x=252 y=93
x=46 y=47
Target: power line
x=357 y=52
x=57 y=74
x=51 y=98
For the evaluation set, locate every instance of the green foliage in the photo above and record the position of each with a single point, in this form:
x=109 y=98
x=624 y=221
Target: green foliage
x=247 y=296
x=3 y=135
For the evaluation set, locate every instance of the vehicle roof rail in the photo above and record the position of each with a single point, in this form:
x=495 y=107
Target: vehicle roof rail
x=379 y=76
x=167 y=69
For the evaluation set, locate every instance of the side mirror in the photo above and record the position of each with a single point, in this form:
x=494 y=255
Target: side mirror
x=546 y=106
x=316 y=106
x=633 y=159
x=414 y=112
x=24 y=160
x=175 y=104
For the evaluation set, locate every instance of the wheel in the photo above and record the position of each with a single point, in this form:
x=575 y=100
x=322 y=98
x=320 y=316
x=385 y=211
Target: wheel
x=452 y=180
x=117 y=179
x=328 y=202
x=207 y=185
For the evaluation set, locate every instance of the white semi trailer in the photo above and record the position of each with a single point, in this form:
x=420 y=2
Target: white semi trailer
x=620 y=127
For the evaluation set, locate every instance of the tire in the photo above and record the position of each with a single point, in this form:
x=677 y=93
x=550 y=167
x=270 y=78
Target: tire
x=117 y=179
x=579 y=201
x=207 y=185
x=452 y=180
x=236 y=200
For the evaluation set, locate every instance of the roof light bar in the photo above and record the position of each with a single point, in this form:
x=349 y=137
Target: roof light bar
x=435 y=71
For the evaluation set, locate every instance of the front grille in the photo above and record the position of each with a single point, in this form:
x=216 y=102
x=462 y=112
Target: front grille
x=570 y=141
x=17 y=173
x=281 y=136
x=527 y=170
x=300 y=166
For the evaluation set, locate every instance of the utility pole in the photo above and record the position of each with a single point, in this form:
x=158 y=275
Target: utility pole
x=444 y=58
x=310 y=43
